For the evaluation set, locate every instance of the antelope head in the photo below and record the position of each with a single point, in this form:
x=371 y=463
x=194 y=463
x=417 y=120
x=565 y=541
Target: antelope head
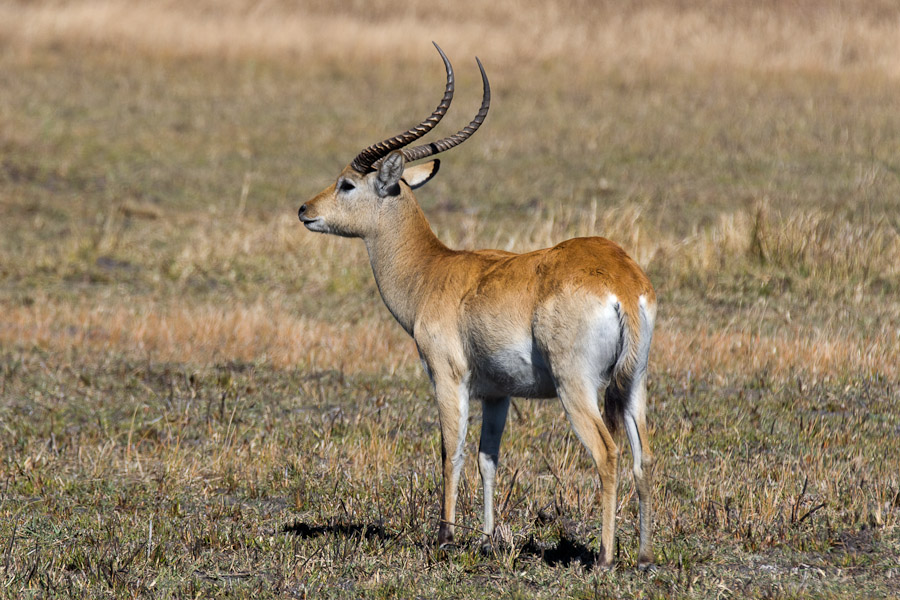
x=379 y=181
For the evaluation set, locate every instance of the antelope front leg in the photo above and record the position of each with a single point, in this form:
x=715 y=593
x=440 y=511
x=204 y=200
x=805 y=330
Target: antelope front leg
x=453 y=411
x=493 y=421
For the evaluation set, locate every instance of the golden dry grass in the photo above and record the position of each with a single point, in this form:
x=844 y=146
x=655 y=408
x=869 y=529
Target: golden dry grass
x=805 y=36
x=258 y=333
x=762 y=335
x=268 y=334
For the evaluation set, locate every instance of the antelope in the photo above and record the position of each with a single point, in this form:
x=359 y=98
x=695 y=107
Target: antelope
x=570 y=321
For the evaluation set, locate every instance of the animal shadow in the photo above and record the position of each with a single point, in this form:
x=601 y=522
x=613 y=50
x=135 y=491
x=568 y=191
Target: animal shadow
x=564 y=553
x=365 y=530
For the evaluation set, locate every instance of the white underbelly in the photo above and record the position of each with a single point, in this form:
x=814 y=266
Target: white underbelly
x=517 y=370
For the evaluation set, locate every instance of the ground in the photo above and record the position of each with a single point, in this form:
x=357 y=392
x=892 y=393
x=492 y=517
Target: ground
x=200 y=398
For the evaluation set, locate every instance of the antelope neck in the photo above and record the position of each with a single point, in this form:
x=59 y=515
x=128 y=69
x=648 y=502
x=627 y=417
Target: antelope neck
x=403 y=251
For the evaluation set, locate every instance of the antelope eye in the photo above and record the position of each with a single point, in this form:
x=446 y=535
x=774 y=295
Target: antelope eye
x=346 y=186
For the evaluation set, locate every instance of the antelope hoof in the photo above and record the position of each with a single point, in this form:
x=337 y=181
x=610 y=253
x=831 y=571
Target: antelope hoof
x=645 y=565
x=445 y=536
x=607 y=564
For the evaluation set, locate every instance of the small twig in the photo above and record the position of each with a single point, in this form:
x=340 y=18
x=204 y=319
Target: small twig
x=150 y=538
x=12 y=537
x=9 y=547
x=509 y=492
x=684 y=407
x=810 y=512
x=34 y=566
x=516 y=410
x=130 y=558
x=461 y=526
x=549 y=466
x=795 y=510
x=310 y=557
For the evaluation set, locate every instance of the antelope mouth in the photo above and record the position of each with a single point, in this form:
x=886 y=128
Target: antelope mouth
x=314 y=224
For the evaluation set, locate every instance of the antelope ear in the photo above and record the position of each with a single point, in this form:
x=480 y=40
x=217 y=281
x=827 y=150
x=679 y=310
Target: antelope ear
x=389 y=174
x=419 y=175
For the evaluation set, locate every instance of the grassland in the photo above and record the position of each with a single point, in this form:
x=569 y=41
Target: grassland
x=198 y=398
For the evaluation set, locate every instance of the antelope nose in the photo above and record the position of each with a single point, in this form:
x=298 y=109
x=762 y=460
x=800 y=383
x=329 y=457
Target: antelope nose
x=301 y=211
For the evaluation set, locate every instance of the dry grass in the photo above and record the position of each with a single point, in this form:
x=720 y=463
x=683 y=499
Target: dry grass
x=143 y=478
x=260 y=333
x=762 y=335
x=269 y=334
x=198 y=398
x=804 y=36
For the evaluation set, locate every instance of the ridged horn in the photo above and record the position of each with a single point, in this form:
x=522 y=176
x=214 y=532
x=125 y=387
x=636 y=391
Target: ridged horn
x=365 y=159
x=425 y=150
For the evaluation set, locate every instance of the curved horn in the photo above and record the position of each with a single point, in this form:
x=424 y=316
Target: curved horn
x=365 y=159
x=460 y=136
